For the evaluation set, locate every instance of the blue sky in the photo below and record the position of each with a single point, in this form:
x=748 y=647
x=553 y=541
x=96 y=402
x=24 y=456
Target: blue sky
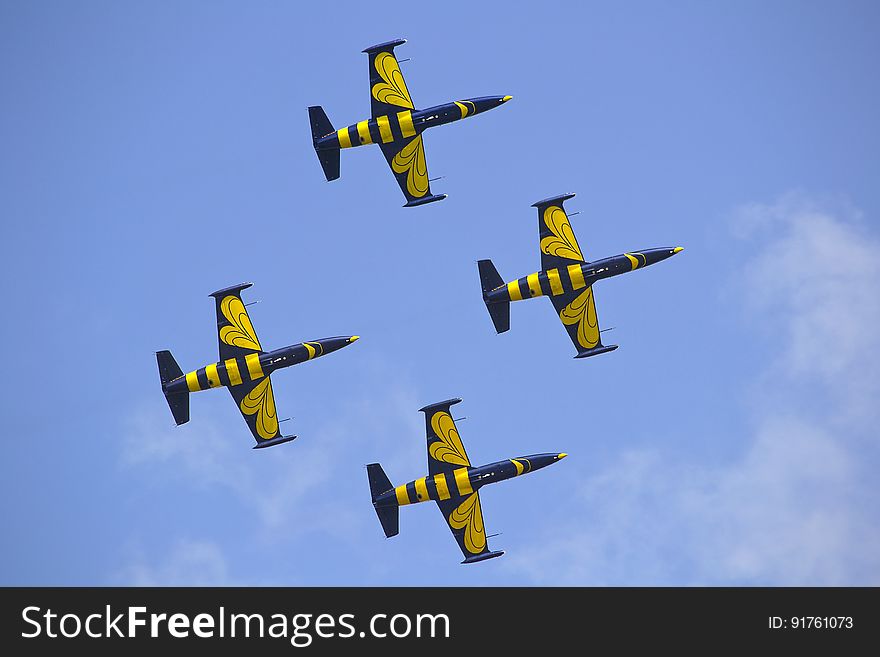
x=154 y=152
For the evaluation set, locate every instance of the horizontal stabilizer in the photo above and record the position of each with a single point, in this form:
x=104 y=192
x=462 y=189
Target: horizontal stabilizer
x=499 y=311
x=379 y=482
x=424 y=200
x=178 y=402
x=595 y=351
x=321 y=127
x=274 y=441
x=482 y=557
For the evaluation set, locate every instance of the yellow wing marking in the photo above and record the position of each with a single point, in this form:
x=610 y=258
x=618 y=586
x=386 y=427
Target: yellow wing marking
x=469 y=517
x=411 y=161
x=241 y=332
x=582 y=311
x=392 y=90
x=449 y=448
x=261 y=401
x=562 y=243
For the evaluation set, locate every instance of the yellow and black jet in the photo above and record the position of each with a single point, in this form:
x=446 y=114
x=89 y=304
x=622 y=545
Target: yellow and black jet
x=452 y=482
x=565 y=277
x=396 y=126
x=244 y=368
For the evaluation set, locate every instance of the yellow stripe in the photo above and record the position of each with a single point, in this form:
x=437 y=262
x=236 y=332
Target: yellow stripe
x=555 y=283
x=576 y=276
x=253 y=365
x=232 y=371
x=402 y=497
x=421 y=490
x=364 y=132
x=213 y=377
x=406 y=124
x=534 y=285
x=462 y=481
x=442 y=488
x=634 y=261
x=344 y=138
x=384 y=129
x=192 y=382
x=513 y=291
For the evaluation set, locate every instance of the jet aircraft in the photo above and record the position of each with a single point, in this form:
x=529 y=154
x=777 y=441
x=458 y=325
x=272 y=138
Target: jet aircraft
x=244 y=369
x=396 y=126
x=565 y=277
x=452 y=482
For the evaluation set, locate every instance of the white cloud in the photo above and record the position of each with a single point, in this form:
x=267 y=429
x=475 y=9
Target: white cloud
x=798 y=506
x=188 y=563
x=302 y=488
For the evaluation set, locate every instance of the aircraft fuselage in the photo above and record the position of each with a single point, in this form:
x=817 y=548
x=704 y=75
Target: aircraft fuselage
x=463 y=481
x=576 y=276
x=406 y=123
x=255 y=366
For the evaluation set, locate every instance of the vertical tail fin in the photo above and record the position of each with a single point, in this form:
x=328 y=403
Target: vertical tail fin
x=499 y=311
x=388 y=515
x=321 y=127
x=178 y=402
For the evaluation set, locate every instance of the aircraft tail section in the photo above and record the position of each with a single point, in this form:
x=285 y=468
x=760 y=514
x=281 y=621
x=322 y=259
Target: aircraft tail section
x=321 y=127
x=389 y=516
x=499 y=311
x=178 y=402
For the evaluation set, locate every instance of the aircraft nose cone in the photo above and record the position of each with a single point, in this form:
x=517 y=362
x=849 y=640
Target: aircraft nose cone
x=506 y=98
x=561 y=456
x=354 y=338
x=678 y=249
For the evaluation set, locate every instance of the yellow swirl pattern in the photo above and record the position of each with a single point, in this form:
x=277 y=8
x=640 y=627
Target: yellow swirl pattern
x=261 y=401
x=241 y=332
x=449 y=449
x=520 y=468
x=392 y=90
x=636 y=260
x=465 y=107
x=314 y=349
x=582 y=311
x=411 y=161
x=469 y=517
x=562 y=243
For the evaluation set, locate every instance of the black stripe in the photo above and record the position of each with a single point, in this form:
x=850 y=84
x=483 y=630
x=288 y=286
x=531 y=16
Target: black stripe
x=353 y=136
x=432 y=488
x=202 y=376
x=411 y=492
x=394 y=124
x=523 y=284
x=373 y=127
x=544 y=282
x=565 y=279
x=223 y=374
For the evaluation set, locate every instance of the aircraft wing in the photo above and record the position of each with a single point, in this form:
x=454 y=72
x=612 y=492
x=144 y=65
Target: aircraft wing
x=256 y=402
x=448 y=465
x=559 y=246
x=446 y=452
x=465 y=520
x=577 y=312
x=561 y=256
x=388 y=91
x=236 y=334
x=406 y=157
